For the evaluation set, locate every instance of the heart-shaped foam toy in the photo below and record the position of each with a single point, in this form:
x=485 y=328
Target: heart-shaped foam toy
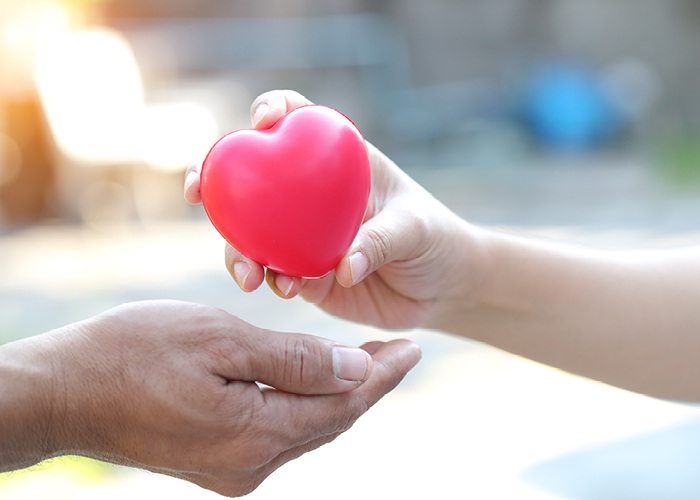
x=292 y=197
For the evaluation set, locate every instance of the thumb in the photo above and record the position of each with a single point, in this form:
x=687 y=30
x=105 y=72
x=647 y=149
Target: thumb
x=193 y=195
x=302 y=364
x=391 y=235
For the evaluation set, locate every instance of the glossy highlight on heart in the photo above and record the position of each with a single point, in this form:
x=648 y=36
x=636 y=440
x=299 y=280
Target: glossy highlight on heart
x=291 y=197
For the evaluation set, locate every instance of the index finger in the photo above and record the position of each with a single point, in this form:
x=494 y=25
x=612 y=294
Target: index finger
x=192 y=174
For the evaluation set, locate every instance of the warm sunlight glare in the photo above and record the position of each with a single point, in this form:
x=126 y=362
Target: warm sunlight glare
x=91 y=87
x=25 y=28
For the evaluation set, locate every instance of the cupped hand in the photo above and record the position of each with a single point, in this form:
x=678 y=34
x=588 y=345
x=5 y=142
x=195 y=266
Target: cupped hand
x=408 y=263
x=193 y=392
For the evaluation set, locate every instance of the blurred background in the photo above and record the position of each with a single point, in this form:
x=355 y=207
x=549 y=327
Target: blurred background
x=568 y=119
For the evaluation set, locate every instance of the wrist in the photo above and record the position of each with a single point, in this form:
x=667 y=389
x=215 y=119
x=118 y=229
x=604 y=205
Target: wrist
x=468 y=269
x=29 y=408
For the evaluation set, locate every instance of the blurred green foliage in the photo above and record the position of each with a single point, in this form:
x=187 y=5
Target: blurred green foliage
x=679 y=160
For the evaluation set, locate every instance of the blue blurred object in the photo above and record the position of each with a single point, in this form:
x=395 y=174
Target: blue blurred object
x=567 y=109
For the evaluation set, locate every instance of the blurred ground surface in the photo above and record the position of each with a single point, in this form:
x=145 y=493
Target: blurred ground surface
x=469 y=422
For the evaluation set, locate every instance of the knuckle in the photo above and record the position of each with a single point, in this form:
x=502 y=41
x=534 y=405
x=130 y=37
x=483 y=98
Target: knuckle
x=299 y=360
x=418 y=223
x=381 y=238
x=414 y=216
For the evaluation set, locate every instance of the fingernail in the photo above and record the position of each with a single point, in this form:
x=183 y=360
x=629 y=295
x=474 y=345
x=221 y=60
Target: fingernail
x=241 y=270
x=358 y=265
x=284 y=284
x=350 y=363
x=189 y=180
x=260 y=113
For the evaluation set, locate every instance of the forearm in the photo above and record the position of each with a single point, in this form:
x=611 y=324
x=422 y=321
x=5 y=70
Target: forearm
x=27 y=414
x=631 y=319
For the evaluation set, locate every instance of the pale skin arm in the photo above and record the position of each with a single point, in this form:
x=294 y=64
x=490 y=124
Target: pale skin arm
x=170 y=387
x=630 y=319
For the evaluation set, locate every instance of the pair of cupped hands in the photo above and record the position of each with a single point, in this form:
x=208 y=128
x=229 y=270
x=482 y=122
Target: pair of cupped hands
x=171 y=387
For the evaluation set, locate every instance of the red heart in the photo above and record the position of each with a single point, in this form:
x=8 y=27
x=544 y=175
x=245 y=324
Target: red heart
x=291 y=197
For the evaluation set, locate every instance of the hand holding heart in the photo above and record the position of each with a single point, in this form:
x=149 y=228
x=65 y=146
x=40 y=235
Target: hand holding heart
x=399 y=270
x=415 y=263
